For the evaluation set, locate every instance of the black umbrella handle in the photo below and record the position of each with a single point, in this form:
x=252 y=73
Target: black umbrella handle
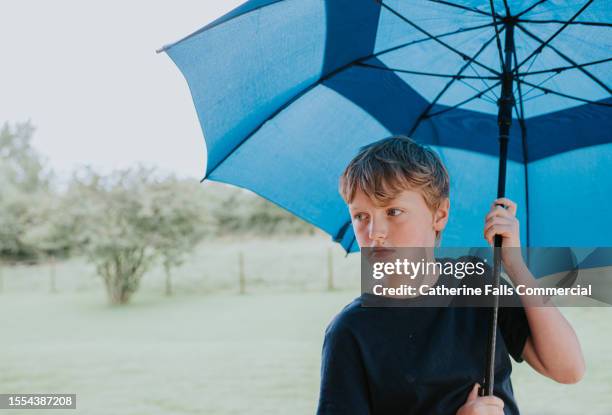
x=489 y=376
x=489 y=380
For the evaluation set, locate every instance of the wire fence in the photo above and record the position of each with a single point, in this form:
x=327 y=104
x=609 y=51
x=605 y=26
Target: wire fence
x=244 y=266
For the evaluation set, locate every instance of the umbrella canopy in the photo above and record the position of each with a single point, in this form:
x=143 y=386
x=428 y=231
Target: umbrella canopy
x=287 y=91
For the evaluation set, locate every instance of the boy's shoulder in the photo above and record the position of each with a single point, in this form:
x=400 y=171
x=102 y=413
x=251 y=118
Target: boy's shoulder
x=348 y=318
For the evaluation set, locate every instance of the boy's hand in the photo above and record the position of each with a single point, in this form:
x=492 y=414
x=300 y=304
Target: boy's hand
x=502 y=221
x=481 y=405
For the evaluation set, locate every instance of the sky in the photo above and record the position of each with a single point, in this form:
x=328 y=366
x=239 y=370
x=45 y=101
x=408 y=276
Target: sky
x=87 y=76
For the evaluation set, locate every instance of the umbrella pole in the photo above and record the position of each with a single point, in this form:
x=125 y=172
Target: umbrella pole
x=504 y=120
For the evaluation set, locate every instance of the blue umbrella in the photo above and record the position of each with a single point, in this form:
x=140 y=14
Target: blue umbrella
x=287 y=91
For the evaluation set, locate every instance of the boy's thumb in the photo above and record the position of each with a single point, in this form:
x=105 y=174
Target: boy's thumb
x=473 y=393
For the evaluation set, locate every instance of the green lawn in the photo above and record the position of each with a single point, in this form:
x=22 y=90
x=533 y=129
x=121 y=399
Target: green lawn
x=208 y=350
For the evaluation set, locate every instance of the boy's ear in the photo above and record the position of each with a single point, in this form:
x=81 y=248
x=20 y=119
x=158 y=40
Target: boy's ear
x=441 y=216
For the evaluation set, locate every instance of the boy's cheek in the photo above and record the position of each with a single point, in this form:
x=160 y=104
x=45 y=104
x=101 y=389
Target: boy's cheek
x=362 y=237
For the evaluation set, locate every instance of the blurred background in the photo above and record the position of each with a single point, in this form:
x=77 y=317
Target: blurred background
x=125 y=280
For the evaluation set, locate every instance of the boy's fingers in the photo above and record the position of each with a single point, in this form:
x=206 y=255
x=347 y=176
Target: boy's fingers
x=490 y=410
x=492 y=401
x=473 y=393
x=505 y=217
x=498 y=226
x=507 y=202
x=502 y=224
x=500 y=211
x=496 y=229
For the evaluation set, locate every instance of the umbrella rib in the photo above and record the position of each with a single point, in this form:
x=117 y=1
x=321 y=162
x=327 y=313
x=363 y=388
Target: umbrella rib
x=535 y=58
x=350 y=245
x=515 y=70
x=423 y=115
x=438 y=75
x=506 y=7
x=498 y=41
x=454 y=32
x=459 y=6
x=479 y=95
x=561 y=22
x=567 y=58
x=550 y=91
x=565 y=68
x=523 y=127
x=533 y=97
x=420 y=29
x=483 y=82
x=520 y=93
x=554 y=35
x=491 y=100
x=541 y=82
x=342 y=231
x=530 y=8
x=340 y=234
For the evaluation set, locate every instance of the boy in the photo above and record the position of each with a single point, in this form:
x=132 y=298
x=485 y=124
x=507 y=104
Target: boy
x=424 y=360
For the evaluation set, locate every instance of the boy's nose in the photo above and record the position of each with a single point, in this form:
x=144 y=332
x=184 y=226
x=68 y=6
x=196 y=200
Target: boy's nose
x=377 y=232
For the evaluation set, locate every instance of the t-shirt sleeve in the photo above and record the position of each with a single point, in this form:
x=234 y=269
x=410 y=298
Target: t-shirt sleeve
x=344 y=388
x=514 y=327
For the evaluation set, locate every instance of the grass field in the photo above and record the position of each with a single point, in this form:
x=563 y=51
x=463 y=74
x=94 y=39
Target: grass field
x=208 y=350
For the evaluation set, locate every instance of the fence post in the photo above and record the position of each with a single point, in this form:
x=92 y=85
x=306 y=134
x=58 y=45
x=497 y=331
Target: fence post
x=167 y=271
x=52 y=286
x=330 y=270
x=241 y=278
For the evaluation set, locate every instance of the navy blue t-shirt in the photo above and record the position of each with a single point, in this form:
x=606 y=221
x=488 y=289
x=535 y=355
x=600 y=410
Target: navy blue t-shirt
x=415 y=360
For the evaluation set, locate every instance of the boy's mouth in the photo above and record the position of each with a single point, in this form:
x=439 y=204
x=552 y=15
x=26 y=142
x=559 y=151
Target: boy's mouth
x=381 y=253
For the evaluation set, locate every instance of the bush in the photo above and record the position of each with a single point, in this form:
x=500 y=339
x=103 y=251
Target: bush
x=127 y=220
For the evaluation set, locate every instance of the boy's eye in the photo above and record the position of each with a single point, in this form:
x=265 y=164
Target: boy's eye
x=360 y=216
x=394 y=212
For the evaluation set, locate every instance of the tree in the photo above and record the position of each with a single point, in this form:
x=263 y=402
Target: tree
x=46 y=234
x=129 y=219
x=180 y=226
x=21 y=165
x=26 y=189
x=237 y=211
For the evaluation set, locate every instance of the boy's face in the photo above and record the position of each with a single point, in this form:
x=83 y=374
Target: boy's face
x=406 y=221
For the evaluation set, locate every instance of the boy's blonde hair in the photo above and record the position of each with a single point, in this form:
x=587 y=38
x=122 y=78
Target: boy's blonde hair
x=385 y=168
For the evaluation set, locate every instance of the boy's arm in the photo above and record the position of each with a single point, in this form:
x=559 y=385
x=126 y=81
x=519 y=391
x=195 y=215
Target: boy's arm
x=553 y=348
x=344 y=388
